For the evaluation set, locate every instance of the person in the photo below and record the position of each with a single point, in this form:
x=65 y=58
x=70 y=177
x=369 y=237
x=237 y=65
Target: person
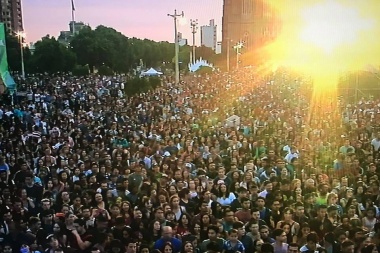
x=212 y=232
x=267 y=248
x=233 y=244
x=311 y=243
x=293 y=248
x=348 y=246
x=131 y=246
x=79 y=238
x=167 y=236
x=280 y=245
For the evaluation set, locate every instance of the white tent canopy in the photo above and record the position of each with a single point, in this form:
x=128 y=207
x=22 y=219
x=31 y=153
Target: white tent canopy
x=151 y=72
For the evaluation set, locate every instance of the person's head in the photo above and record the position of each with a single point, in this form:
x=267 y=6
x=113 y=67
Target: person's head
x=79 y=225
x=212 y=232
x=239 y=226
x=293 y=248
x=7 y=248
x=168 y=248
x=233 y=235
x=260 y=202
x=229 y=215
x=348 y=246
x=167 y=232
x=299 y=209
x=264 y=231
x=311 y=241
x=245 y=203
x=370 y=248
x=255 y=214
x=279 y=235
x=267 y=248
x=144 y=249
x=322 y=211
x=131 y=246
x=188 y=247
x=53 y=241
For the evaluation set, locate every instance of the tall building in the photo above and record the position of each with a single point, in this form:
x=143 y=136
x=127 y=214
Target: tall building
x=66 y=36
x=11 y=15
x=181 y=41
x=251 y=21
x=208 y=35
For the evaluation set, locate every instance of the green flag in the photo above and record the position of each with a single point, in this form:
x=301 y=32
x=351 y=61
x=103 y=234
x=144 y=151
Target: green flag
x=4 y=72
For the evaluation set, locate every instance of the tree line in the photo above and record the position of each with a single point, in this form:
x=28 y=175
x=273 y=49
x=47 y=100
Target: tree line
x=102 y=49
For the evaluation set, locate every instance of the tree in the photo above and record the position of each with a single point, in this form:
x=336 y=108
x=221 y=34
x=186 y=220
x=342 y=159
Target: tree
x=51 y=56
x=14 y=53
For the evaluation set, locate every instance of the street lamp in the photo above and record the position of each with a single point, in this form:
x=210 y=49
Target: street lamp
x=21 y=36
x=238 y=46
x=175 y=16
x=194 y=28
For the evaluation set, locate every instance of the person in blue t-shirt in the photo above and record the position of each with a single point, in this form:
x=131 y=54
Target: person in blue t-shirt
x=167 y=236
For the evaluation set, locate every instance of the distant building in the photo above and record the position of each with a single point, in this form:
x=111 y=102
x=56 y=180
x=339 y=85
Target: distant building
x=218 y=49
x=11 y=15
x=208 y=35
x=252 y=21
x=77 y=26
x=181 y=41
x=65 y=36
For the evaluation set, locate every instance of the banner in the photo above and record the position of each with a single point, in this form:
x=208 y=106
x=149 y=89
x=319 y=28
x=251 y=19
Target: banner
x=4 y=72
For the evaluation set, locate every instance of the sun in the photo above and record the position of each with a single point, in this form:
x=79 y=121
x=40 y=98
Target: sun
x=323 y=39
x=330 y=24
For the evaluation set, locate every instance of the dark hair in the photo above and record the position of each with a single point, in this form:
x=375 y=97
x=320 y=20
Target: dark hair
x=277 y=232
x=214 y=228
x=312 y=237
x=293 y=244
x=237 y=225
x=267 y=248
x=80 y=222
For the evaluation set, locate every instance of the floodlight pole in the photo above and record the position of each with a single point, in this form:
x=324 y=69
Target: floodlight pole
x=194 y=28
x=175 y=16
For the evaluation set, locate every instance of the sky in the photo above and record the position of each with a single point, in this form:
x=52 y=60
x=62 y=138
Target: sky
x=134 y=18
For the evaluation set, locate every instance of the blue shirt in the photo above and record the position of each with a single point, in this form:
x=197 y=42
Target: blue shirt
x=237 y=247
x=4 y=167
x=160 y=244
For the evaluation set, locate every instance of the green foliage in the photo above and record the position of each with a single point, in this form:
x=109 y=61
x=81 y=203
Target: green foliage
x=204 y=70
x=80 y=70
x=102 y=48
x=52 y=57
x=14 y=53
x=105 y=71
x=106 y=47
x=141 y=85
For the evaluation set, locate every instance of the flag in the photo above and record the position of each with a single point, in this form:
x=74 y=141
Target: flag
x=4 y=73
x=72 y=5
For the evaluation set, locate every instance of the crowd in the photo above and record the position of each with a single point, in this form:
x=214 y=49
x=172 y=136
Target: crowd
x=218 y=163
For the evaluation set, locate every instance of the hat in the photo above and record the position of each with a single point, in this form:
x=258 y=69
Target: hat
x=60 y=215
x=332 y=208
x=167 y=154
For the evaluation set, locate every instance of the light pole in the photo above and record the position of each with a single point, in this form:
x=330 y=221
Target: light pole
x=194 y=28
x=21 y=36
x=238 y=46
x=175 y=16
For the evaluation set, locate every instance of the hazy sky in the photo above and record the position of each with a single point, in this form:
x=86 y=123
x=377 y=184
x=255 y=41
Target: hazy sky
x=134 y=18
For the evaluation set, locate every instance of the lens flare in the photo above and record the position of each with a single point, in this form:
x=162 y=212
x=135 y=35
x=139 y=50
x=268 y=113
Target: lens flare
x=324 y=38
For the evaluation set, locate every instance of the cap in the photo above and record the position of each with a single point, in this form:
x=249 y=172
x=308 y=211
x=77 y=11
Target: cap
x=60 y=215
x=332 y=208
x=167 y=154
